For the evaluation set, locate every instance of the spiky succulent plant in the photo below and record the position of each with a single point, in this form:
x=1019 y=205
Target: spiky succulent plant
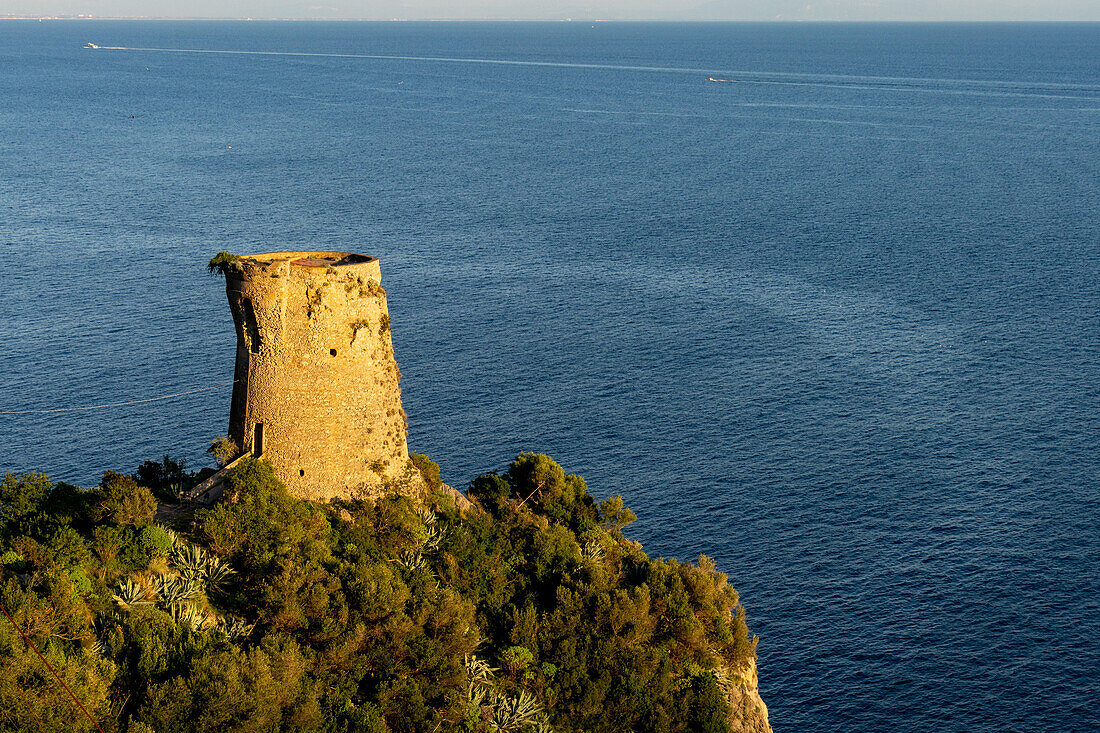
x=593 y=551
x=129 y=593
x=512 y=713
x=412 y=560
x=190 y=560
x=191 y=615
x=479 y=679
x=174 y=590
x=234 y=628
x=216 y=574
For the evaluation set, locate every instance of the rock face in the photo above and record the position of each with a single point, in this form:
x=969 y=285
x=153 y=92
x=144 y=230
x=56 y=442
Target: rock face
x=748 y=713
x=316 y=390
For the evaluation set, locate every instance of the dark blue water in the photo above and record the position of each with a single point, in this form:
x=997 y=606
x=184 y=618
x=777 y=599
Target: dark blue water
x=835 y=323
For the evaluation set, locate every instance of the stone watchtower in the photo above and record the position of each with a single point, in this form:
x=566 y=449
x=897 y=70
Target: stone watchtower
x=316 y=390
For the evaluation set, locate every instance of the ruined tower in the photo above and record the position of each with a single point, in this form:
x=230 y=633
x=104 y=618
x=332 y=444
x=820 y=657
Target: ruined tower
x=316 y=391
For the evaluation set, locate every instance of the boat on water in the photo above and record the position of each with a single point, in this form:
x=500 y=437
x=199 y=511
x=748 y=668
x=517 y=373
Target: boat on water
x=90 y=45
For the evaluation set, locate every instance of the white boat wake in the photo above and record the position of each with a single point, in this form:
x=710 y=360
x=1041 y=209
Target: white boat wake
x=976 y=87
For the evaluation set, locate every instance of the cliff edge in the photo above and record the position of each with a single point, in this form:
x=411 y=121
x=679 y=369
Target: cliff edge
x=748 y=713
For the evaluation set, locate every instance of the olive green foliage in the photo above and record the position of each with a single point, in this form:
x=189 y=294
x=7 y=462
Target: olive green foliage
x=428 y=469
x=124 y=501
x=20 y=495
x=224 y=450
x=156 y=541
x=275 y=614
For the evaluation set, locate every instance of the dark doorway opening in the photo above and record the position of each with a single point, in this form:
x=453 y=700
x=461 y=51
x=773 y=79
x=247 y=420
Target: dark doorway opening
x=258 y=440
x=250 y=325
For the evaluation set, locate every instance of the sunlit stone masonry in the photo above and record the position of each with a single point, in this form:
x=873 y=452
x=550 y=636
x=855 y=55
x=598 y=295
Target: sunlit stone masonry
x=316 y=391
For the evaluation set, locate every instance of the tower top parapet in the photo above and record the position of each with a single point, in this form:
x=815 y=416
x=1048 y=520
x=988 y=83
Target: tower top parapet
x=306 y=263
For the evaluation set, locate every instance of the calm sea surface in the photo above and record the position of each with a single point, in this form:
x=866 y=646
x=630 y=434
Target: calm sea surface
x=834 y=322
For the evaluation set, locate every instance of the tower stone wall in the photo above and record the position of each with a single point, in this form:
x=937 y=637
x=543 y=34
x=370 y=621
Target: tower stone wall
x=316 y=391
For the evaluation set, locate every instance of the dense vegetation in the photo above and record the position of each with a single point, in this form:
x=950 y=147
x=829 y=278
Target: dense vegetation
x=267 y=613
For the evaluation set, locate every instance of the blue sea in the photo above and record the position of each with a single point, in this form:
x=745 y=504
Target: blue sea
x=832 y=319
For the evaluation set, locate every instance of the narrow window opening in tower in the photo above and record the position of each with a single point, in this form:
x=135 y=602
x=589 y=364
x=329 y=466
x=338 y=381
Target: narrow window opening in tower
x=332 y=351
x=251 y=326
x=301 y=472
x=258 y=440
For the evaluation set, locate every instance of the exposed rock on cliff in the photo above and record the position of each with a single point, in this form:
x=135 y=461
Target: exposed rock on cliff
x=748 y=713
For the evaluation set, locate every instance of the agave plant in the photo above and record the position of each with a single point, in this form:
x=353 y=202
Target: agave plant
x=434 y=531
x=593 y=551
x=191 y=615
x=216 y=573
x=479 y=679
x=190 y=560
x=130 y=593
x=434 y=538
x=542 y=724
x=513 y=713
x=412 y=560
x=478 y=695
x=175 y=590
x=234 y=628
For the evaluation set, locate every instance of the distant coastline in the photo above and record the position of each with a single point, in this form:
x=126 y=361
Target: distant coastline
x=702 y=21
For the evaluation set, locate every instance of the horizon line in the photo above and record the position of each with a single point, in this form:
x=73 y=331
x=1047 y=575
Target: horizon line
x=249 y=19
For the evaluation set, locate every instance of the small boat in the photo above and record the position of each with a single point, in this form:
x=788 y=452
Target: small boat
x=90 y=45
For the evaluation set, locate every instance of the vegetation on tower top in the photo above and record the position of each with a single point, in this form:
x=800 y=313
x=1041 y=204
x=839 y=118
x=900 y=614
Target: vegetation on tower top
x=219 y=264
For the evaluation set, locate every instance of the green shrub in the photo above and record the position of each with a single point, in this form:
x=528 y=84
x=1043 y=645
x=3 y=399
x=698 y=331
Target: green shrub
x=614 y=516
x=22 y=494
x=107 y=542
x=122 y=501
x=156 y=541
x=516 y=659
x=67 y=548
x=490 y=490
x=540 y=484
x=428 y=469
x=224 y=450
x=82 y=584
x=132 y=554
